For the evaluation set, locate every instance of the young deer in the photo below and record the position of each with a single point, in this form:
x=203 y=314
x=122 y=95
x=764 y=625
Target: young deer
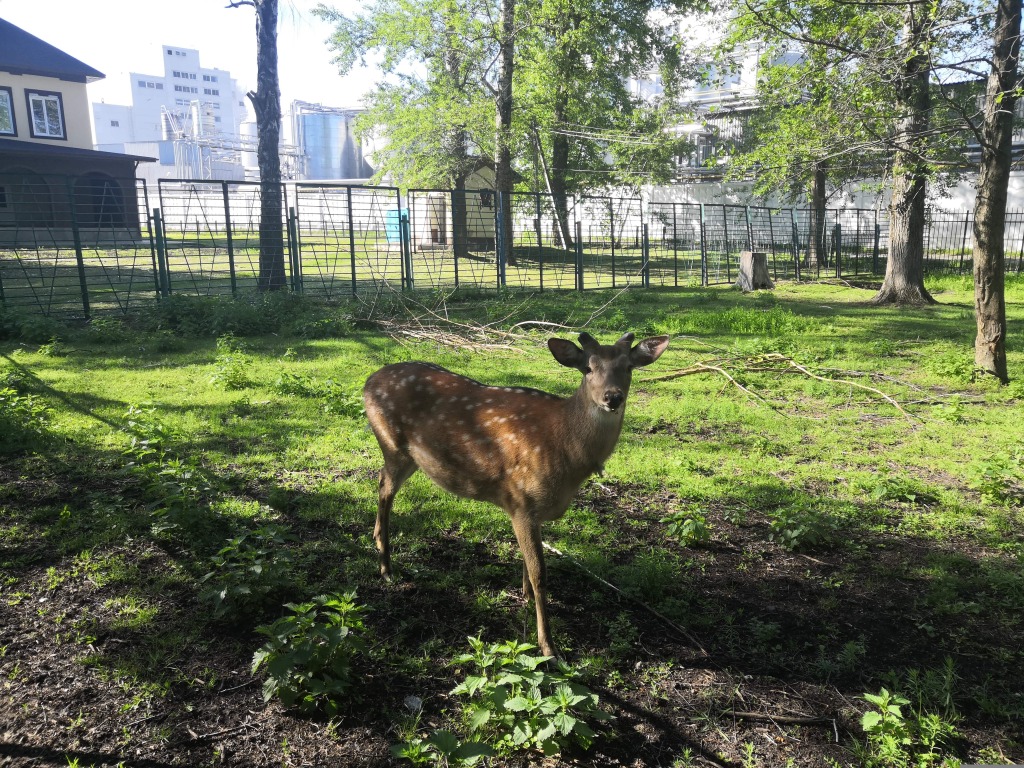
x=524 y=450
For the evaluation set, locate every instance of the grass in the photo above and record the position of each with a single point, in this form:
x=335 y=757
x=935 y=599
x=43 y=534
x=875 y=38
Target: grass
x=846 y=547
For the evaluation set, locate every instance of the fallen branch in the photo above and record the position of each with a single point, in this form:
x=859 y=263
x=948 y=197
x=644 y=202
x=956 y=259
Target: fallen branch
x=785 y=719
x=770 y=363
x=682 y=632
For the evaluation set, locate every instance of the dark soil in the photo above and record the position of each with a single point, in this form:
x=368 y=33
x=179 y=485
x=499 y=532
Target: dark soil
x=756 y=645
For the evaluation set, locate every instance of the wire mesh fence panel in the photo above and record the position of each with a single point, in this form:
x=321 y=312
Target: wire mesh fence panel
x=674 y=243
x=1013 y=242
x=211 y=235
x=947 y=242
x=349 y=238
x=453 y=238
x=771 y=232
x=542 y=245
x=610 y=230
x=854 y=245
x=628 y=225
x=726 y=235
x=74 y=245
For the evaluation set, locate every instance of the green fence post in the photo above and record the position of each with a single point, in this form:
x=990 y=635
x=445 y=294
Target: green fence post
x=162 y=280
x=878 y=246
x=645 y=255
x=675 y=249
x=294 y=252
x=351 y=237
x=539 y=228
x=76 y=236
x=504 y=238
x=231 y=245
x=703 y=247
x=611 y=226
x=579 y=256
x=750 y=228
x=837 y=242
x=405 y=237
x=795 y=243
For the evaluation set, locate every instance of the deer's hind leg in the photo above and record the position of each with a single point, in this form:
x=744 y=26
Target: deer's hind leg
x=396 y=470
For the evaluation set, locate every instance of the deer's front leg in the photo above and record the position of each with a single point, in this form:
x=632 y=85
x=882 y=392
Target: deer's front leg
x=528 y=536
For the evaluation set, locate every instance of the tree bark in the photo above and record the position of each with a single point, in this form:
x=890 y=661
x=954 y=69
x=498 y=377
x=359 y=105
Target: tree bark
x=990 y=203
x=817 y=256
x=904 y=269
x=503 y=181
x=266 y=102
x=559 y=171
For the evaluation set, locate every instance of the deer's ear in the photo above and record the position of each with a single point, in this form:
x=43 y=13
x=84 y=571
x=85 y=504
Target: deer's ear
x=648 y=350
x=567 y=353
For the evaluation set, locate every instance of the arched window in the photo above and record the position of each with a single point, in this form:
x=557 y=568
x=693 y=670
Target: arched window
x=99 y=201
x=26 y=199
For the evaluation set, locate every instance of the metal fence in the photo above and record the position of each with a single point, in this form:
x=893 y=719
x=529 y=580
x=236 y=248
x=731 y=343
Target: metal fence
x=75 y=246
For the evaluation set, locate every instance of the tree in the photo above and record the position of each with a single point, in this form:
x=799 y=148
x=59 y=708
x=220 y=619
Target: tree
x=577 y=59
x=266 y=101
x=995 y=138
x=876 y=67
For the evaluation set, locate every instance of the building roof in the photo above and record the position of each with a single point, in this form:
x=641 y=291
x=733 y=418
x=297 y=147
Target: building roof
x=24 y=54
x=26 y=149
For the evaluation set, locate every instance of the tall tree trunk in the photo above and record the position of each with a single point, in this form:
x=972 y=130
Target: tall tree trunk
x=817 y=256
x=503 y=181
x=990 y=203
x=559 y=172
x=266 y=102
x=460 y=225
x=904 y=269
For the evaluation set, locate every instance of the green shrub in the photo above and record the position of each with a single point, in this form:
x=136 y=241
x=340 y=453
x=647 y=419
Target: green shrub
x=23 y=420
x=688 y=526
x=247 y=570
x=1000 y=479
x=895 y=739
x=515 y=704
x=308 y=655
x=797 y=528
x=232 y=365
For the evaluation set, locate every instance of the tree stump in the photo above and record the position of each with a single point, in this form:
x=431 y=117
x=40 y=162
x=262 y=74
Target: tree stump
x=753 y=272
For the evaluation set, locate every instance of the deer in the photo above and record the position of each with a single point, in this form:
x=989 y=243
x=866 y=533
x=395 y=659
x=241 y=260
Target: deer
x=524 y=450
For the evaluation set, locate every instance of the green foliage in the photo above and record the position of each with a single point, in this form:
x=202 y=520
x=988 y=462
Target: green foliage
x=798 y=528
x=176 y=490
x=336 y=399
x=308 y=655
x=690 y=527
x=1000 y=478
x=515 y=704
x=247 y=570
x=232 y=365
x=898 y=739
x=250 y=314
x=23 y=419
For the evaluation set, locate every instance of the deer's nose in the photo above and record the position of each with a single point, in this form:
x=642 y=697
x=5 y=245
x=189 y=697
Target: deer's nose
x=613 y=398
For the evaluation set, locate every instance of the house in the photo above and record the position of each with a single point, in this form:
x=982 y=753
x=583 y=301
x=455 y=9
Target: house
x=50 y=176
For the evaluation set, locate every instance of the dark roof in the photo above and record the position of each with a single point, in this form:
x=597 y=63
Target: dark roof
x=13 y=147
x=25 y=54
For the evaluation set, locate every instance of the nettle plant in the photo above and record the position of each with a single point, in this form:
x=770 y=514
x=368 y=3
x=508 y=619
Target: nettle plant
x=898 y=739
x=308 y=655
x=247 y=570
x=515 y=702
x=688 y=526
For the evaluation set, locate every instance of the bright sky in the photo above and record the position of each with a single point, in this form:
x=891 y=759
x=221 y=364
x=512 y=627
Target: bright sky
x=122 y=36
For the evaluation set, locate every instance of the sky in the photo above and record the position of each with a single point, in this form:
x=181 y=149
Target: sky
x=118 y=37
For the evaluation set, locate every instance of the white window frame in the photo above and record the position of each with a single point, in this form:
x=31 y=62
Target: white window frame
x=7 y=109
x=50 y=129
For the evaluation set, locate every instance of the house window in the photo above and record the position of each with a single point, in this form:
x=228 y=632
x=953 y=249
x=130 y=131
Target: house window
x=46 y=115
x=7 y=126
x=115 y=123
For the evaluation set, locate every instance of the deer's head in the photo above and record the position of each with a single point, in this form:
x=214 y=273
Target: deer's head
x=607 y=370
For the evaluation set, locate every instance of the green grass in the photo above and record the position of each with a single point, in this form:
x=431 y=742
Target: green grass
x=264 y=427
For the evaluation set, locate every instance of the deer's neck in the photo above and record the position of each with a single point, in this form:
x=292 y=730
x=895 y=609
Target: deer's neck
x=591 y=432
